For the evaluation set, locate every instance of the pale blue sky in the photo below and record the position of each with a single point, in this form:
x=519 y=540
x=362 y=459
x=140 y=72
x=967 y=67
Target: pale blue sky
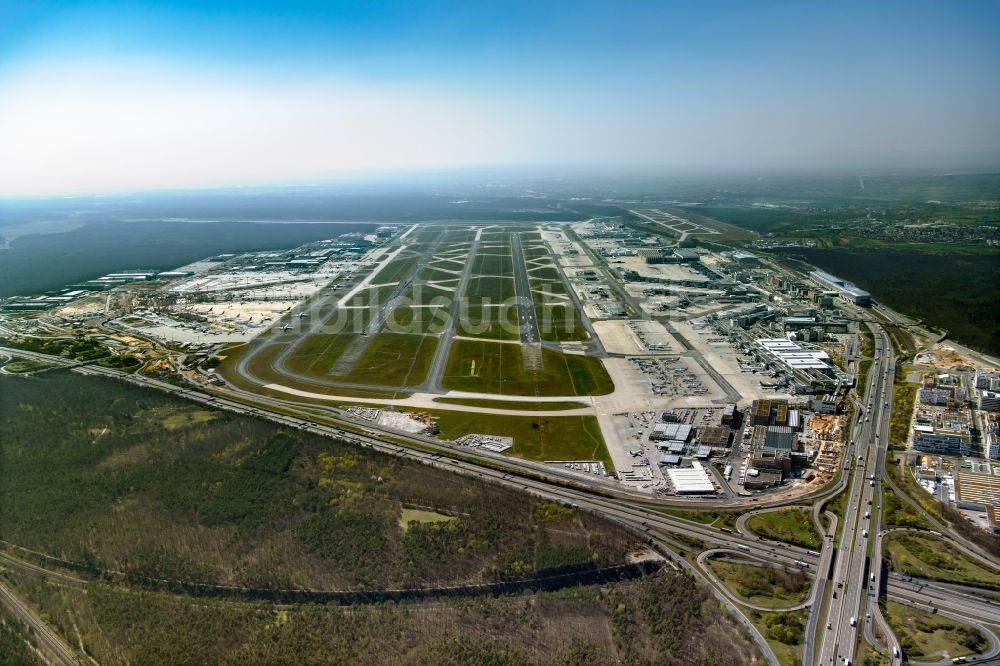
x=124 y=95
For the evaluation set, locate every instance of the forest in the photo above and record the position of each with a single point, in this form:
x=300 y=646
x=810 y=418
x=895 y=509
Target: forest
x=665 y=619
x=117 y=477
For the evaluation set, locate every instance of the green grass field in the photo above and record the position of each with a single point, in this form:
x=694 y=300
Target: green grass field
x=490 y=263
x=725 y=519
x=897 y=514
x=394 y=359
x=493 y=367
x=928 y=637
x=925 y=556
x=792 y=526
x=421 y=517
x=494 y=289
x=314 y=356
x=396 y=270
x=259 y=366
x=497 y=322
x=535 y=437
x=904 y=395
x=784 y=632
x=764 y=586
x=416 y=320
x=560 y=323
x=25 y=365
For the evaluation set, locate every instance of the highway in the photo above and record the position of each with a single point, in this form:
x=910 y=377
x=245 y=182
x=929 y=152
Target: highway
x=645 y=515
x=851 y=575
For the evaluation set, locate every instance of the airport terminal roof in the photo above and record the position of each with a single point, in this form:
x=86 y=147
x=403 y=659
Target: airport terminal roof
x=794 y=356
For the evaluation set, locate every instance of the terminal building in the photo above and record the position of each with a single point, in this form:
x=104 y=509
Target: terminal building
x=846 y=290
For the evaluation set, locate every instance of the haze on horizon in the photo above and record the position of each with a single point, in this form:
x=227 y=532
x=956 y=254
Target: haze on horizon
x=104 y=97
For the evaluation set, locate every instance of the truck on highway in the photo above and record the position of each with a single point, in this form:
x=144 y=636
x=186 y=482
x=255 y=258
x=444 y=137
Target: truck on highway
x=743 y=548
x=854 y=622
x=800 y=564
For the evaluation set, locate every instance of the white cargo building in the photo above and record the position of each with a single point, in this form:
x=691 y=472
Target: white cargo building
x=692 y=480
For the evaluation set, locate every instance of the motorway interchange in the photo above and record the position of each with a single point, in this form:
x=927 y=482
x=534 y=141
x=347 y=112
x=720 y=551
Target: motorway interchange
x=843 y=604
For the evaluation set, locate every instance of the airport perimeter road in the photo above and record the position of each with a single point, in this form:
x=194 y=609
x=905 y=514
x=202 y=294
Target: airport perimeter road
x=851 y=593
x=48 y=641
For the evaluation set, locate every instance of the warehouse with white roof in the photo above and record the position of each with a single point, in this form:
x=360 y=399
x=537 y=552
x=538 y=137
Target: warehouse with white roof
x=692 y=480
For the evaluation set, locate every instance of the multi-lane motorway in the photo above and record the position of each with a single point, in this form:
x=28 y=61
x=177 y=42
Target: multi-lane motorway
x=854 y=579
x=852 y=583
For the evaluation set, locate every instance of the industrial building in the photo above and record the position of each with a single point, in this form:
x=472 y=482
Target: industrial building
x=827 y=404
x=692 y=480
x=762 y=479
x=846 y=290
x=975 y=491
x=672 y=446
x=769 y=412
x=744 y=258
x=715 y=436
x=779 y=437
x=672 y=431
